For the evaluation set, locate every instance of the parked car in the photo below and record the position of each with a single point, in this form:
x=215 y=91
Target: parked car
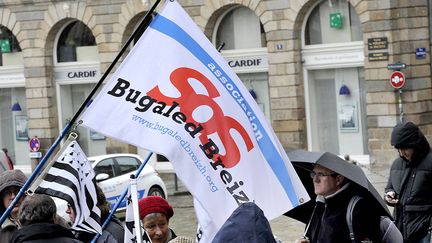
x=113 y=176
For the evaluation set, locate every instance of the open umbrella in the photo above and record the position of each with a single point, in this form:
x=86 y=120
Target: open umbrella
x=303 y=162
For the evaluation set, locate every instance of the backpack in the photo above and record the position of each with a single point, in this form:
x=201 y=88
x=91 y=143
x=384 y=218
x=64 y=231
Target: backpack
x=388 y=231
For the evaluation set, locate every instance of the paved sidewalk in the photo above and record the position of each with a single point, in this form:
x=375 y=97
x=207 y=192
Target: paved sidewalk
x=284 y=228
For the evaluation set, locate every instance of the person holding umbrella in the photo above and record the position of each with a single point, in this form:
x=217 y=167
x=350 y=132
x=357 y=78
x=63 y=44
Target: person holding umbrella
x=409 y=186
x=335 y=185
x=328 y=221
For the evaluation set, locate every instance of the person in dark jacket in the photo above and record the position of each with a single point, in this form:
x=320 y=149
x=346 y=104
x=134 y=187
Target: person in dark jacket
x=328 y=221
x=155 y=213
x=246 y=224
x=11 y=182
x=37 y=215
x=409 y=188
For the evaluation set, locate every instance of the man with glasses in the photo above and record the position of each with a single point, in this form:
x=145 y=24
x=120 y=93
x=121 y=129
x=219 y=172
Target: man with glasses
x=11 y=182
x=409 y=188
x=328 y=223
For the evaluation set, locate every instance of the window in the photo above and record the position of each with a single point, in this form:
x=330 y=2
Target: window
x=319 y=28
x=76 y=43
x=106 y=166
x=127 y=164
x=10 y=51
x=240 y=28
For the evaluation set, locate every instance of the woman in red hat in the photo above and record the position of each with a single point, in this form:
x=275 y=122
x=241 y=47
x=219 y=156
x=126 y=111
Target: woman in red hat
x=155 y=213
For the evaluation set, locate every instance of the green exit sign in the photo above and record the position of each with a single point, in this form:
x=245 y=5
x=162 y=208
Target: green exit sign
x=5 y=45
x=336 y=20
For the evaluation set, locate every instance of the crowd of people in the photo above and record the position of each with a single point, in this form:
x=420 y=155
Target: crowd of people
x=408 y=191
x=35 y=217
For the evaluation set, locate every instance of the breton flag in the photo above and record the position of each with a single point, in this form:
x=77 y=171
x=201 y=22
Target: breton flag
x=130 y=236
x=174 y=94
x=70 y=177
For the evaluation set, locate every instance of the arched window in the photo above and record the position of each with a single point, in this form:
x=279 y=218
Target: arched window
x=76 y=43
x=141 y=31
x=333 y=61
x=10 y=51
x=333 y=21
x=240 y=28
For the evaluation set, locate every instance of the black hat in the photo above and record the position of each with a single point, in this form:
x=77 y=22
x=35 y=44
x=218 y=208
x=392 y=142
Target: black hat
x=406 y=135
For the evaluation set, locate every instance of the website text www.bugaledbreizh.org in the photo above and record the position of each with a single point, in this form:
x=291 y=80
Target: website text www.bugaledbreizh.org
x=183 y=143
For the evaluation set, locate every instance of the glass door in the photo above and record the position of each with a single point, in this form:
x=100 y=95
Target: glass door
x=336 y=111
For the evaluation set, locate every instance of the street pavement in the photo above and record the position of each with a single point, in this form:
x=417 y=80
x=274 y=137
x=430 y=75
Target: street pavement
x=285 y=229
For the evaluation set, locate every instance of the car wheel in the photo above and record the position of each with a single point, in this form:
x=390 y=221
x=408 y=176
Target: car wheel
x=156 y=191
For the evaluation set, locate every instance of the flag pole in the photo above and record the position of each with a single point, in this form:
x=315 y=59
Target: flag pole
x=66 y=129
x=123 y=195
x=134 y=197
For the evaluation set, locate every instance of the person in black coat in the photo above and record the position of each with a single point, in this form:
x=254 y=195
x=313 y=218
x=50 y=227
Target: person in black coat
x=37 y=215
x=328 y=221
x=409 y=186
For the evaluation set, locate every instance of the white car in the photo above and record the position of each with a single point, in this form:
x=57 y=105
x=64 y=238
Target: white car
x=113 y=175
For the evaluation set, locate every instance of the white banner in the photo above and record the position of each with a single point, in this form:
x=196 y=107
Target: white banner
x=174 y=94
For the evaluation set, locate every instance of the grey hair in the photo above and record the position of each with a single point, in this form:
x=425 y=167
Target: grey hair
x=152 y=216
x=38 y=208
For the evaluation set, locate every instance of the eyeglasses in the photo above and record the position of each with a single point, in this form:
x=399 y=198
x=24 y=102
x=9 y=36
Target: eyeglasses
x=320 y=174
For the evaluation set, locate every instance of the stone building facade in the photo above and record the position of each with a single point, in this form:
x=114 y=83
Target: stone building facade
x=308 y=50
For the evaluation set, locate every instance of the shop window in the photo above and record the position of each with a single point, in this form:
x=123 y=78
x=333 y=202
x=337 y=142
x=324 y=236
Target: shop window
x=10 y=51
x=76 y=43
x=240 y=28
x=71 y=98
x=14 y=124
x=333 y=21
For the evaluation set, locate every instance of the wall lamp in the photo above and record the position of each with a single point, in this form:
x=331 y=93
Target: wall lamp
x=344 y=90
x=16 y=107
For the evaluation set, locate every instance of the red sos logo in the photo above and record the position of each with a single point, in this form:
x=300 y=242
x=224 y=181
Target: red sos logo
x=218 y=123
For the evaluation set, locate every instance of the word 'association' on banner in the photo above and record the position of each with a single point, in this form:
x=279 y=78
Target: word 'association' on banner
x=188 y=101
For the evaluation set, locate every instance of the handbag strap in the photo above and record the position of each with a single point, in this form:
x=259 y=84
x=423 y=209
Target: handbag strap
x=349 y=215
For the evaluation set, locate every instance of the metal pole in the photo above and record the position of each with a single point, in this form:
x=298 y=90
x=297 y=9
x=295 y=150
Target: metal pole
x=175 y=182
x=134 y=198
x=401 y=112
x=108 y=219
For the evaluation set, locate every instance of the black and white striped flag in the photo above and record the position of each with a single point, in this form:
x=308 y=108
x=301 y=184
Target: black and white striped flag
x=71 y=178
x=130 y=234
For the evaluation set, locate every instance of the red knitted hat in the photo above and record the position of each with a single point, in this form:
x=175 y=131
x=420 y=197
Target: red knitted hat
x=154 y=204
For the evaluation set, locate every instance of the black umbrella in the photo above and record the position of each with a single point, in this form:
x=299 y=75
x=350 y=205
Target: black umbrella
x=303 y=162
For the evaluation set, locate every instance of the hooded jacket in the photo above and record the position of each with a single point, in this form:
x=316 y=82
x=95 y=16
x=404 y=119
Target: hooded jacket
x=9 y=178
x=246 y=224
x=412 y=182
